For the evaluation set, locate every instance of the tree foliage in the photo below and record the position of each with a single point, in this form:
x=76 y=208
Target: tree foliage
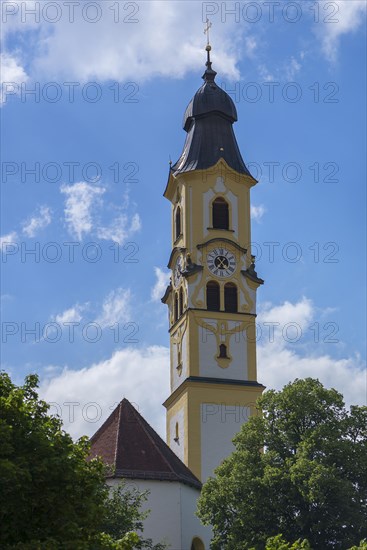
x=278 y=543
x=53 y=497
x=362 y=545
x=298 y=469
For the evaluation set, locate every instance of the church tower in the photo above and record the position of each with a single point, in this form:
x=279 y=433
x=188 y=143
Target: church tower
x=212 y=294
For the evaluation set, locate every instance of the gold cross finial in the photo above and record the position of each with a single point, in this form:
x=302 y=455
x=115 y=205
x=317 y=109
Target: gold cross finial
x=207 y=29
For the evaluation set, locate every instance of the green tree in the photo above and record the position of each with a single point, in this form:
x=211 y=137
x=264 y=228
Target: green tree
x=362 y=545
x=299 y=469
x=278 y=543
x=52 y=496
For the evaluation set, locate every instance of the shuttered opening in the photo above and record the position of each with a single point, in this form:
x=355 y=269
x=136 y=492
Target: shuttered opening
x=176 y=307
x=178 y=222
x=180 y=309
x=230 y=297
x=212 y=296
x=220 y=214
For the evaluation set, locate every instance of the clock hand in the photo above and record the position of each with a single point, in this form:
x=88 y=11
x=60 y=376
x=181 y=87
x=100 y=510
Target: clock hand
x=222 y=263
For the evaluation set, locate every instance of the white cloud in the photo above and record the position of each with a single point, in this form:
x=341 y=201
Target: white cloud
x=52 y=370
x=264 y=73
x=285 y=72
x=300 y=313
x=142 y=376
x=112 y=48
x=37 y=222
x=277 y=367
x=81 y=199
x=12 y=75
x=280 y=362
x=350 y=15
x=161 y=283
x=15 y=17
x=71 y=315
x=9 y=239
x=292 y=68
x=257 y=212
x=120 y=229
x=116 y=308
x=251 y=45
x=30 y=227
x=135 y=223
x=83 y=209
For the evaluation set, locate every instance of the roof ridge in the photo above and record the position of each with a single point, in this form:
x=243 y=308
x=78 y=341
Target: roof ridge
x=153 y=439
x=118 y=429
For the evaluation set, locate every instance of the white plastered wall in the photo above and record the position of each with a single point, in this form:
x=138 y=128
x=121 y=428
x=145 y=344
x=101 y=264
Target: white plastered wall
x=172 y=517
x=208 y=351
x=219 y=424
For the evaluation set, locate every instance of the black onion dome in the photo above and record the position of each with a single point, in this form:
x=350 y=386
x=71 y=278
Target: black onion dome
x=208 y=122
x=210 y=98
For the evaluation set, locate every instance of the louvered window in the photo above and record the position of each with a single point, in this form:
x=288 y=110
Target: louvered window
x=178 y=222
x=180 y=309
x=176 y=308
x=212 y=296
x=220 y=214
x=230 y=297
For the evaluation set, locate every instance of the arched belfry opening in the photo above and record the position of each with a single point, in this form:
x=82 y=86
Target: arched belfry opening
x=212 y=296
x=176 y=308
x=230 y=298
x=178 y=223
x=220 y=214
x=180 y=303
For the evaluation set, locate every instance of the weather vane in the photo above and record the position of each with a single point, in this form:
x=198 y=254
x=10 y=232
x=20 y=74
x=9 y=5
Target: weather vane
x=207 y=29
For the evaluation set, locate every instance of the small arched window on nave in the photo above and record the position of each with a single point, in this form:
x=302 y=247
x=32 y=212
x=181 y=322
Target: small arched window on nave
x=197 y=544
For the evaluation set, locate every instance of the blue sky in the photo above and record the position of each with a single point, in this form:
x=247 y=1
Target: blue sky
x=105 y=119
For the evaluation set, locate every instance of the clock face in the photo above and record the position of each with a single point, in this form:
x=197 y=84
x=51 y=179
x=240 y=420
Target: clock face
x=221 y=262
x=177 y=272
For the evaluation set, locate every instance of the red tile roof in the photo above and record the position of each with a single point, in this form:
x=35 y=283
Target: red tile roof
x=135 y=451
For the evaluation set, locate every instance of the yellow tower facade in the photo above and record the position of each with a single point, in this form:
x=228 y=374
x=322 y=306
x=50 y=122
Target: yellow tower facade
x=212 y=294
